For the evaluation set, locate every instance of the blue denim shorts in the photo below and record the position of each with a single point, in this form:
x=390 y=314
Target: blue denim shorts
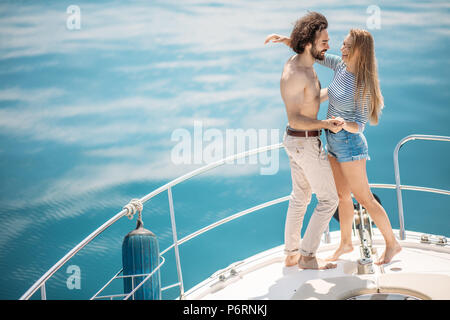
x=346 y=146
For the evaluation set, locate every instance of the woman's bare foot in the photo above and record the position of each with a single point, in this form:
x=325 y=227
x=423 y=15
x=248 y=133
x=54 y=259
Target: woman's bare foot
x=343 y=248
x=292 y=260
x=389 y=253
x=314 y=263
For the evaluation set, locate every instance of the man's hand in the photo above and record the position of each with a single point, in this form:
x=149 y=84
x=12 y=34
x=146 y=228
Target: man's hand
x=334 y=124
x=275 y=38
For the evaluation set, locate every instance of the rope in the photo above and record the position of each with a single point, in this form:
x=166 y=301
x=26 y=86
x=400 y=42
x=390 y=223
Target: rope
x=133 y=206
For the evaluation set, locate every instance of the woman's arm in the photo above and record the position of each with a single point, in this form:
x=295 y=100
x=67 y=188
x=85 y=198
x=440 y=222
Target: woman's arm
x=353 y=127
x=275 y=38
x=330 y=61
x=323 y=95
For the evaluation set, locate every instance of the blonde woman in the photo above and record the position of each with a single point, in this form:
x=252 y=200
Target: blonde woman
x=354 y=96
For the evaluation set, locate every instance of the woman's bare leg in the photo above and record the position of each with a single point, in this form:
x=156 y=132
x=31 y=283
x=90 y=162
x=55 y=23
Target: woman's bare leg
x=345 y=210
x=356 y=175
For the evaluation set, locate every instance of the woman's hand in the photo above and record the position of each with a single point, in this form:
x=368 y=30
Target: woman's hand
x=351 y=127
x=348 y=126
x=276 y=38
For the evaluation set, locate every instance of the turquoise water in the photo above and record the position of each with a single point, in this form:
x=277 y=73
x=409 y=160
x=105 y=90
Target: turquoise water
x=87 y=117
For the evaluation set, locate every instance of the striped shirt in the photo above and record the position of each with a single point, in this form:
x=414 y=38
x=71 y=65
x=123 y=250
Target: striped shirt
x=341 y=93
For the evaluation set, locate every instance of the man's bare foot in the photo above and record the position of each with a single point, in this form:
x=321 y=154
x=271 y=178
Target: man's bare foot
x=314 y=263
x=292 y=260
x=343 y=248
x=389 y=253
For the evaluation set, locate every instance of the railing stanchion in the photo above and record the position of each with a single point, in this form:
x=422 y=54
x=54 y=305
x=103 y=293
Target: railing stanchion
x=175 y=242
x=398 y=186
x=399 y=192
x=43 y=292
x=41 y=283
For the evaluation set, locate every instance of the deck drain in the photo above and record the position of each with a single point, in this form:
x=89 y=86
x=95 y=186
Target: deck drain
x=396 y=269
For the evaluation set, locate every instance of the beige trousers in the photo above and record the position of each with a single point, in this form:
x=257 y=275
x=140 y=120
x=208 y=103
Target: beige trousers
x=311 y=173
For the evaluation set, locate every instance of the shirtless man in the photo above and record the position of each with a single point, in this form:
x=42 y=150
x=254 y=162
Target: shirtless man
x=310 y=169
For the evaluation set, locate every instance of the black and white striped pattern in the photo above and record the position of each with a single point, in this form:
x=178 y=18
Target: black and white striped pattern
x=341 y=93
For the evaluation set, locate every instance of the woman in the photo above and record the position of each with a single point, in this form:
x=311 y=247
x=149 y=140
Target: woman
x=354 y=96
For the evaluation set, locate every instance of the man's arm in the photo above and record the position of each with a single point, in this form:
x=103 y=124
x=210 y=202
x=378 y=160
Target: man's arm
x=352 y=127
x=300 y=122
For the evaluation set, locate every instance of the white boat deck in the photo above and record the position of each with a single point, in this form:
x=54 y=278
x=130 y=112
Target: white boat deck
x=419 y=270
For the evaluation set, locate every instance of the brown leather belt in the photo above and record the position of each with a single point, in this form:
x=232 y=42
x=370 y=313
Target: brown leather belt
x=306 y=134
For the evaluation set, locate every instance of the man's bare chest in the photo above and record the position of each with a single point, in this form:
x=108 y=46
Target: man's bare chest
x=313 y=86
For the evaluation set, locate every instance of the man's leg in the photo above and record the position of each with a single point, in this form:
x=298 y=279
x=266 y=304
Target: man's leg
x=318 y=172
x=298 y=203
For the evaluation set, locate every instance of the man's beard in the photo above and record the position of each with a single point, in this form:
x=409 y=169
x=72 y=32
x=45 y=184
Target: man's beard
x=318 y=54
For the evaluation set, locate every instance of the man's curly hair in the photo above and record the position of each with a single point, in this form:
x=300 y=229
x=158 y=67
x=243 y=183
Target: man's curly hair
x=305 y=30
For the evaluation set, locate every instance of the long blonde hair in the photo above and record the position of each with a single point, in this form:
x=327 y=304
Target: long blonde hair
x=366 y=73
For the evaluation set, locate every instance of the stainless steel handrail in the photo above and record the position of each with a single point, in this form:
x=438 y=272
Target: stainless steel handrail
x=40 y=283
x=167 y=187
x=227 y=219
x=208 y=167
x=277 y=201
x=42 y=280
x=95 y=296
x=285 y=198
x=143 y=281
x=411 y=188
x=397 y=173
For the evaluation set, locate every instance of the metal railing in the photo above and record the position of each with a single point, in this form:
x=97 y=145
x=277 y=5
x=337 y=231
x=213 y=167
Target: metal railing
x=40 y=284
x=399 y=187
x=192 y=236
x=134 y=288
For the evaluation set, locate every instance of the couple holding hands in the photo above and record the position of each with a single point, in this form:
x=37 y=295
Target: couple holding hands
x=354 y=99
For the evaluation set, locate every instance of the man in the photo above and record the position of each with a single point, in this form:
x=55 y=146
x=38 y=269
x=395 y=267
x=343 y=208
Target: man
x=310 y=169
